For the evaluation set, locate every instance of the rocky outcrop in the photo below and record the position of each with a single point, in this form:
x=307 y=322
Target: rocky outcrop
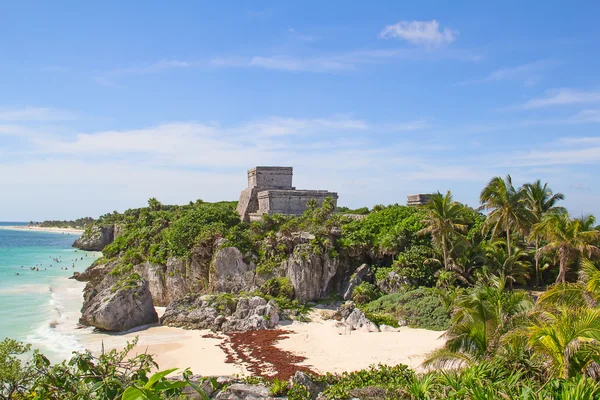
x=229 y=273
x=354 y=318
x=358 y=321
x=155 y=275
x=392 y=283
x=314 y=388
x=118 y=305
x=310 y=273
x=363 y=273
x=96 y=239
x=221 y=313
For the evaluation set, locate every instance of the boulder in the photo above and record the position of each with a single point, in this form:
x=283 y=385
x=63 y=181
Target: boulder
x=95 y=239
x=363 y=273
x=387 y=328
x=117 y=305
x=310 y=273
x=359 y=321
x=314 y=388
x=229 y=273
x=243 y=391
x=392 y=283
x=222 y=313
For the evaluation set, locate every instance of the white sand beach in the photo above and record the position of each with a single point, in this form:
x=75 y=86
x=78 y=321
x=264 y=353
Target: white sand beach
x=326 y=347
x=43 y=229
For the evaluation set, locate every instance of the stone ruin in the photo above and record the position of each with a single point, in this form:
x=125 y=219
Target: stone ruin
x=418 y=199
x=270 y=191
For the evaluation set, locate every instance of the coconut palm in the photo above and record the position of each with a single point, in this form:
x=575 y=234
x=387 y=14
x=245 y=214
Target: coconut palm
x=515 y=267
x=507 y=208
x=569 y=339
x=568 y=239
x=590 y=275
x=540 y=200
x=479 y=319
x=444 y=221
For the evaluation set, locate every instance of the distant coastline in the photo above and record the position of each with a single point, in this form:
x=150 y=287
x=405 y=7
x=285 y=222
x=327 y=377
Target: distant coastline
x=43 y=229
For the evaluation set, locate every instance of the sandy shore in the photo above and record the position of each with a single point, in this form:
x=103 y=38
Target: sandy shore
x=331 y=349
x=326 y=347
x=43 y=229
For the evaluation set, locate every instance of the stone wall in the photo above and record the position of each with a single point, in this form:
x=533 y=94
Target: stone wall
x=418 y=199
x=289 y=202
x=270 y=177
x=270 y=191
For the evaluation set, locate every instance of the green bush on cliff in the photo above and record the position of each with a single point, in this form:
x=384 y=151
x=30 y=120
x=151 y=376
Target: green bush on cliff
x=200 y=224
x=385 y=231
x=278 y=287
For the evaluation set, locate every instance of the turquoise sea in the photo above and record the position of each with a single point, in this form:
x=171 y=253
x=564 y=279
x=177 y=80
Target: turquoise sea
x=38 y=303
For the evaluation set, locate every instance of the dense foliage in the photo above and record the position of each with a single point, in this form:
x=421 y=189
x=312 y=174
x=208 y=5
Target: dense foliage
x=112 y=375
x=420 y=308
x=440 y=266
x=80 y=223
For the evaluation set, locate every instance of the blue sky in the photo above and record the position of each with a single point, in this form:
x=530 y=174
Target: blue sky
x=105 y=104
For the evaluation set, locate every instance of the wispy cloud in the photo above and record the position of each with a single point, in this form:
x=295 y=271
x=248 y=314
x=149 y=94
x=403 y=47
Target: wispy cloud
x=303 y=37
x=103 y=81
x=529 y=73
x=561 y=97
x=28 y=114
x=565 y=151
x=426 y=33
x=339 y=62
x=110 y=77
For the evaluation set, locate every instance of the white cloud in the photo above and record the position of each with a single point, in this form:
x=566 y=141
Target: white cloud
x=528 y=73
x=561 y=97
x=420 y=32
x=28 y=114
x=339 y=62
x=564 y=151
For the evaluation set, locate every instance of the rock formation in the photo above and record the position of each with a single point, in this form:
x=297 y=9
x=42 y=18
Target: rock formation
x=96 y=239
x=363 y=273
x=221 y=313
x=115 y=305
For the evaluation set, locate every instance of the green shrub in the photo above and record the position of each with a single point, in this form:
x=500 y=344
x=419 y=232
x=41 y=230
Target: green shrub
x=420 y=308
x=278 y=287
x=382 y=376
x=278 y=388
x=365 y=293
x=417 y=265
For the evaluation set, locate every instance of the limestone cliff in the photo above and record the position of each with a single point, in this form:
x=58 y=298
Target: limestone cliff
x=217 y=268
x=96 y=238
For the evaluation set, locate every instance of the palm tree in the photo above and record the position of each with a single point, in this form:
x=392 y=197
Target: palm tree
x=514 y=267
x=444 y=221
x=507 y=206
x=540 y=200
x=590 y=275
x=568 y=338
x=568 y=238
x=479 y=319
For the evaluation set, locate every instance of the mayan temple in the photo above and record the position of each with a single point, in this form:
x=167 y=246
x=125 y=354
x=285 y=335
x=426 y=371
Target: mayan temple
x=270 y=191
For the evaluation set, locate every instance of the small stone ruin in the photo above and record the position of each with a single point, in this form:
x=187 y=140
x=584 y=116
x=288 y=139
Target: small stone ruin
x=418 y=199
x=270 y=191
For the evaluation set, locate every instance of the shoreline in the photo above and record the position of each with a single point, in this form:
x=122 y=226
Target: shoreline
x=42 y=229
x=320 y=345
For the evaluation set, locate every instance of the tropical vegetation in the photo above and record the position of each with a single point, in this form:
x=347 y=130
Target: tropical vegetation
x=514 y=284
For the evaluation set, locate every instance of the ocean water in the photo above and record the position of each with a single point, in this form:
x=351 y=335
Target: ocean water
x=38 y=303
